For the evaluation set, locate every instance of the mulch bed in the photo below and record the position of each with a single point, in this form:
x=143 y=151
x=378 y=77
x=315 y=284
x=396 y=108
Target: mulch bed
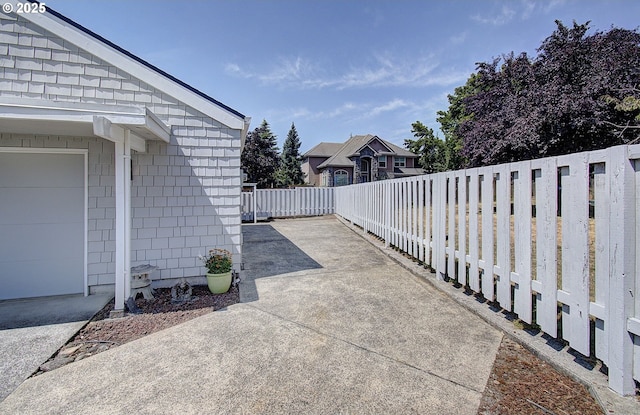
x=523 y=384
x=103 y=333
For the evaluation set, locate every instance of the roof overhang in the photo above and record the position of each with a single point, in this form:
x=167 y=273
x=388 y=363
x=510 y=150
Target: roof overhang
x=75 y=119
x=324 y=165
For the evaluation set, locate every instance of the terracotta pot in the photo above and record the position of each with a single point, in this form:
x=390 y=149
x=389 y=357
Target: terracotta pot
x=219 y=283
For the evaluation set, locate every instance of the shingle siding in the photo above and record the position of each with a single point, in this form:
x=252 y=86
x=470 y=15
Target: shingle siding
x=185 y=195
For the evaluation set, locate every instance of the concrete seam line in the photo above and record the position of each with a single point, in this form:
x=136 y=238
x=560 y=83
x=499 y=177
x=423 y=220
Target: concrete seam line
x=364 y=349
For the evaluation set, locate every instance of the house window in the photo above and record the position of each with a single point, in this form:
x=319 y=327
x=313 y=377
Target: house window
x=382 y=162
x=341 y=178
x=400 y=162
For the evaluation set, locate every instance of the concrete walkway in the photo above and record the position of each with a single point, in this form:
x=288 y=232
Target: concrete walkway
x=330 y=326
x=33 y=329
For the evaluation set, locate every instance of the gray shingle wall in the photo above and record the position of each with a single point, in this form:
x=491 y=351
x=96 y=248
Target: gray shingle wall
x=185 y=195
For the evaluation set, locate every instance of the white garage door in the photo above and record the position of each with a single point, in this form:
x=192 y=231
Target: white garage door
x=41 y=224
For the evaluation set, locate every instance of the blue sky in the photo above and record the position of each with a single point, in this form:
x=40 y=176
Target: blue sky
x=334 y=68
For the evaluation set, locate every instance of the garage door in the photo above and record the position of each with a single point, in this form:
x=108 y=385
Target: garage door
x=41 y=224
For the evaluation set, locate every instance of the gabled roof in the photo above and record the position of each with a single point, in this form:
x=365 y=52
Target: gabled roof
x=102 y=48
x=353 y=146
x=323 y=150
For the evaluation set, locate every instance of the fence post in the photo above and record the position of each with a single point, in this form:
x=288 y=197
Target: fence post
x=622 y=250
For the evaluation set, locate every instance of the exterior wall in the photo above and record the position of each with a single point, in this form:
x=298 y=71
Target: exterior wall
x=310 y=167
x=378 y=146
x=185 y=194
x=306 y=171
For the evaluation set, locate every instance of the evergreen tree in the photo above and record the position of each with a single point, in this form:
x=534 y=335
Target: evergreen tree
x=431 y=149
x=290 y=172
x=260 y=158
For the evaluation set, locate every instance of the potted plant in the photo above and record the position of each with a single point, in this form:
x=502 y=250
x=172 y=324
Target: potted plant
x=218 y=263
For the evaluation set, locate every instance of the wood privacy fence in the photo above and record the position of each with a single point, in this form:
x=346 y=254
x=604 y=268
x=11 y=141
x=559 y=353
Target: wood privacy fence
x=554 y=240
x=278 y=203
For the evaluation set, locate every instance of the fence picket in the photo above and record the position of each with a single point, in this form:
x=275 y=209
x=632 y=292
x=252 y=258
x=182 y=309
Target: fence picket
x=474 y=239
x=451 y=224
x=546 y=284
x=503 y=237
x=522 y=242
x=487 y=283
x=574 y=294
x=462 y=227
x=428 y=222
x=440 y=230
x=623 y=287
x=601 y=214
x=421 y=212
x=414 y=217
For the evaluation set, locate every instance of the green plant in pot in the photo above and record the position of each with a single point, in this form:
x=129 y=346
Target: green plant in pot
x=218 y=263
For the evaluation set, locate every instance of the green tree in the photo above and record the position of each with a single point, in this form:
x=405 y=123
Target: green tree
x=260 y=158
x=580 y=93
x=437 y=155
x=290 y=171
x=451 y=119
x=431 y=149
x=626 y=104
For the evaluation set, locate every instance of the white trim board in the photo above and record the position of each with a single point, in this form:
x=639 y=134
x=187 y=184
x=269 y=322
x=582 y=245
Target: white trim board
x=78 y=119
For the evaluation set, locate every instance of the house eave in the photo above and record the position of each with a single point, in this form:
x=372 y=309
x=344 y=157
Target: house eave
x=40 y=117
x=324 y=166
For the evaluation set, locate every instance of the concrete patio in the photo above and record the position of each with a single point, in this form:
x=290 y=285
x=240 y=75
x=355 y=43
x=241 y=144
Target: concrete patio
x=328 y=324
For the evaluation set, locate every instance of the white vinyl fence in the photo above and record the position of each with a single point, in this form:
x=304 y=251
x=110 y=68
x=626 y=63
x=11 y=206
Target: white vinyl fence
x=279 y=203
x=543 y=237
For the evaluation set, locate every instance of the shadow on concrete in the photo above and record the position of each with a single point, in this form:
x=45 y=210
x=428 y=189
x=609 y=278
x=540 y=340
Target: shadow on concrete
x=44 y=311
x=266 y=253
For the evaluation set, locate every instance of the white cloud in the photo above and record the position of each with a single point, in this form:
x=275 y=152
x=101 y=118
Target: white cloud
x=389 y=106
x=505 y=15
x=287 y=70
x=383 y=70
x=528 y=8
x=459 y=38
x=233 y=68
x=346 y=109
x=552 y=5
x=524 y=9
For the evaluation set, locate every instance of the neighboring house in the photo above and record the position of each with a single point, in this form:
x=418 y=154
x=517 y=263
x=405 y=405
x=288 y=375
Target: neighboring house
x=363 y=158
x=106 y=162
x=315 y=157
